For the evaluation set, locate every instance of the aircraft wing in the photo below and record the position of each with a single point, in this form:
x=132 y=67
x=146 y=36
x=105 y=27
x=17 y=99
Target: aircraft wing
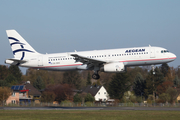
x=89 y=61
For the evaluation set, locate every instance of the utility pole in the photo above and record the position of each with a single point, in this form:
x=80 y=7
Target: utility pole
x=153 y=83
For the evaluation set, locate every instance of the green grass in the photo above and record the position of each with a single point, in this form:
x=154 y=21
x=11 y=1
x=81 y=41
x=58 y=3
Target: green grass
x=87 y=115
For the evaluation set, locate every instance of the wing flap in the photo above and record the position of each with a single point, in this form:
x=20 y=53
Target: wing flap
x=89 y=61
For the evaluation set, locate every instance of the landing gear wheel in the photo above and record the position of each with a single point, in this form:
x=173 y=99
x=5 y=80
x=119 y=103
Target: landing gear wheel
x=95 y=76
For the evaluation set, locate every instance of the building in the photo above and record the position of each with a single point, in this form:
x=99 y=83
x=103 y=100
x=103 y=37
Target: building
x=23 y=94
x=98 y=92
x=19 y=95
x=33 y=93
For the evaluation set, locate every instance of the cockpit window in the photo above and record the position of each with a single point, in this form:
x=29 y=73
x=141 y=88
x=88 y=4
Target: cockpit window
x=164 y=51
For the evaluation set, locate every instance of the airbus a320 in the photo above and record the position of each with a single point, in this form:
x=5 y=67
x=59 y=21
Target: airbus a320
x=111 y=60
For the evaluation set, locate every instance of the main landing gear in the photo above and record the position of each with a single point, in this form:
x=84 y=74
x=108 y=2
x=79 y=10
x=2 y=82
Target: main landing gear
x=95 y=76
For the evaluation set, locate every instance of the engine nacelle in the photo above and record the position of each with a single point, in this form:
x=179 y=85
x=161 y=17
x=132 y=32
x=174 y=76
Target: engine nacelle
x=114 y=67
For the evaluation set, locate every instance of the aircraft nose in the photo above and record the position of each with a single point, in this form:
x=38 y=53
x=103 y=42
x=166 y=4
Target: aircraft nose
x=173 y=56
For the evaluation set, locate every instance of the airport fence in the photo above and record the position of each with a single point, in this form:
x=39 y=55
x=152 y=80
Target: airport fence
x=89 y=104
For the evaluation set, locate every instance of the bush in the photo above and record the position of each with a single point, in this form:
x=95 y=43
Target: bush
x=139 y=99
x=66 y=103
x=88 y=103
x=149 y=101
x=132 y=98
x=89 y=98
x=160 y=101
x=77 y=98
x=164 y=97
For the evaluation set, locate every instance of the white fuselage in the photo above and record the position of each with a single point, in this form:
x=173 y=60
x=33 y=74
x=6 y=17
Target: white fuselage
x=128 y=56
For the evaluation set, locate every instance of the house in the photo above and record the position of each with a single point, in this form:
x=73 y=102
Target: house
x=33 y=93
x=25 y=93
x=98 y=92
x=19 y=94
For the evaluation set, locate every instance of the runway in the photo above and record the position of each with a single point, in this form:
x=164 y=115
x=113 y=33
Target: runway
x=93 y=108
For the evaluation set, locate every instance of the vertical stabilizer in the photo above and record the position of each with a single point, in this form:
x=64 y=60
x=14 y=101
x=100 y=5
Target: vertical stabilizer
x=19 y=46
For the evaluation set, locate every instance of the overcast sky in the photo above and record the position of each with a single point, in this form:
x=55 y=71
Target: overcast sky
x=67 y=25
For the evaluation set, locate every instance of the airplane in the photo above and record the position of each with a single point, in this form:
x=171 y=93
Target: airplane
x=110 y=60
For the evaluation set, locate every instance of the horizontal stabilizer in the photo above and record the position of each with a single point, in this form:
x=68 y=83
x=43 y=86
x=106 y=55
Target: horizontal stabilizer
x=14 y=61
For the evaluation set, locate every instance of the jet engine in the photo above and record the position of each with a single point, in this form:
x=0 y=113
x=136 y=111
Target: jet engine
x=113 y=67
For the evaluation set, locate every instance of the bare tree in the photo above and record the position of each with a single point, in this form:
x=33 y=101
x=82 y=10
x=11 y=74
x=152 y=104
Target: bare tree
x=5 y=92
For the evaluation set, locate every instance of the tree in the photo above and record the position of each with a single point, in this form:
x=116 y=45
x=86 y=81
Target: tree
x=152 y=81
x=77 y=98
x=3 y=83
x=89 y=98
x=164 y=86
x=72 y=78
x=62 y=92
x=176 y=81
x=139 y=85
x=170 y=76
x=49 y=77
x=88 y=79
x=11 y=80
x=4 y=94
x=164 y=97
x=39 y=84
x=172 y=93
x=164 y=69
x=97 y=83
x=16 y=72
x=119 y=85
x=48 y=96
x=3 y=72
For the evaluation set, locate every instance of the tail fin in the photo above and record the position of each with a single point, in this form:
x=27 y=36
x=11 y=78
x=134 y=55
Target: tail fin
x=20 y=47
